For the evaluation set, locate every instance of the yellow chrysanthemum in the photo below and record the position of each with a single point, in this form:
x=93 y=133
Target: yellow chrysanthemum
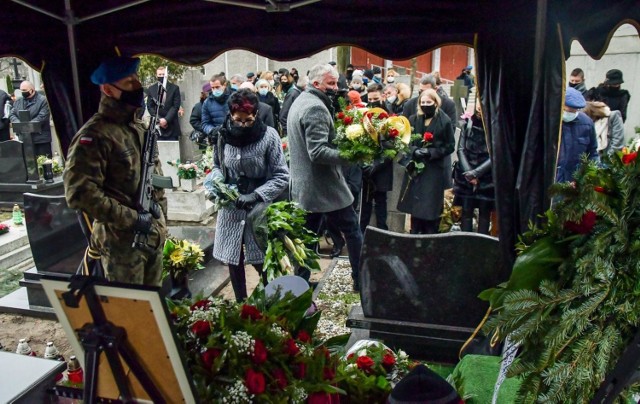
x=354 y=131
x=176 y=257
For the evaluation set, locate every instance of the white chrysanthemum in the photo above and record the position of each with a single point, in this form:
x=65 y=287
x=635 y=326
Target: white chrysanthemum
x=354 y=131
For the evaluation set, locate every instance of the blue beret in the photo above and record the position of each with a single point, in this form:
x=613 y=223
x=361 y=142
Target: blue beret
x=574 y=99
x=468 y=67
x=114 y=69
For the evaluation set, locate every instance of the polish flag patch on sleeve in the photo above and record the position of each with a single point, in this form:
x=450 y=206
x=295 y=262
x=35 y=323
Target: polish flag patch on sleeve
x=86 y=140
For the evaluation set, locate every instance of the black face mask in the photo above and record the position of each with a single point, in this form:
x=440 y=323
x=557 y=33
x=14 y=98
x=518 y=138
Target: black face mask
x=331 y=93
x=133 y=98
x=428 y=110
x=573 y=85
x=26 y=94
x=285 y=86
x=160 y=79
x=375 y=104
x=240 y=131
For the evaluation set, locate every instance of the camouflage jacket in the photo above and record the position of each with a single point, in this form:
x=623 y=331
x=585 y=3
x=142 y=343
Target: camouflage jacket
x=103 y=169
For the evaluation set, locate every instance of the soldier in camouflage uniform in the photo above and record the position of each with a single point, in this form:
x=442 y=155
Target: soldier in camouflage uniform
x=102 y=177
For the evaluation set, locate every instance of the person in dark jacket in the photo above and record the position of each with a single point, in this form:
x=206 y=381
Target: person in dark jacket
x=5 y=112
x=266 y=96
x=215 y=108
x=168 y=113
x=576 y=80
x=293 y=93
x=578 y=136
x=195 y=119
x=422 y=194
x=473 y=182
x=611 y=94
x=38 y=108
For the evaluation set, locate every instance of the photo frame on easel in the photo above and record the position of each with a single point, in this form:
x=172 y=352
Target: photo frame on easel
x=141 y=313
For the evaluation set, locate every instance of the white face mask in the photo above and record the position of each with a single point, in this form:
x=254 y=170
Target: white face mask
x=356 y=86
x=391 y=99
x=390 y=79
x=272 y=82
x=569 y=116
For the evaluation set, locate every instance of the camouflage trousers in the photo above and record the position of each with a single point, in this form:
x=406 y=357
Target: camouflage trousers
x=124 y=263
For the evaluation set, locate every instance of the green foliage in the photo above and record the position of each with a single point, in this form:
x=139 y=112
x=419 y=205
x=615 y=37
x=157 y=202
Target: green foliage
x=150 y=63
x=9 y=82
x=573 y=299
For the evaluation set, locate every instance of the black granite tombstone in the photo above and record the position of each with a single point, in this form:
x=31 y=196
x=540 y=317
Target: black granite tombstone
x=19 y=174
x=13 y=169
x=24 y=129
x=419 y=292
x=56 y=240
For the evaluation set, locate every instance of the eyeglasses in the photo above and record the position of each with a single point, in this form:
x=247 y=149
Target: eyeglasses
x=248 y=122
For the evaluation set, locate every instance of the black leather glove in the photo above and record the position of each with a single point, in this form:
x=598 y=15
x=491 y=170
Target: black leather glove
x=422 y=154
x=156 y=210
x=386 y=144
x=469 y=175
x=247 y=201
x=143 y=223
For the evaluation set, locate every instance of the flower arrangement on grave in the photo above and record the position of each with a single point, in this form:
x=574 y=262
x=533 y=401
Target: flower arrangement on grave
x=4 y=229
x=370 y=370
x=55 y=165
x=186 y=171
x=571 y=302
x=206 y=162
x=223 y=194
x=179 y=257
x=281 y=227
x=260 y=351
x=366 y=134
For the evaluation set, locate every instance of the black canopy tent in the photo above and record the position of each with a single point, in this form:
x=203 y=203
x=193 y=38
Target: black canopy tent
x=520 y=45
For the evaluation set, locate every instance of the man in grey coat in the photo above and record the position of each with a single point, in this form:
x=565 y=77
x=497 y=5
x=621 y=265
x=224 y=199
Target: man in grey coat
x=317 y=182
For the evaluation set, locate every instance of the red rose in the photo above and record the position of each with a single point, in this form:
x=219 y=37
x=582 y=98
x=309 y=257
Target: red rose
x=340 y=115
x=383 y=115
x=251 y=312
x=304 y=336
x=291 y=347
x=259 y=355
x=207 y=170
x=388 y=360
x=348 y=120
x=365 y=363
x=254 y=381
x=201 y=304
x=209 y=356
x=319 y=397
x=284 y=145
x=280 y=378
x=600 y=189
x=299 y=370
x=368 y=114
x=201 y=328
x=628 y=158
x=393 y=132
x=427 y=137
x=328 y=374
x=350 y=356
x=585 y=225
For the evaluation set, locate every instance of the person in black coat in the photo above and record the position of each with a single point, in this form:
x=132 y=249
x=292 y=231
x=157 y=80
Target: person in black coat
x=195 y=119
x=38 y=108
x=473 y=182
x=422 y=194
x=265 y=95
x=4 y=116
x=609 y=92
x=168 y=113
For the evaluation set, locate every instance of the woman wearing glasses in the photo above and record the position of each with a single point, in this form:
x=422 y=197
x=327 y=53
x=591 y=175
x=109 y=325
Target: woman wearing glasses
x=248 y=154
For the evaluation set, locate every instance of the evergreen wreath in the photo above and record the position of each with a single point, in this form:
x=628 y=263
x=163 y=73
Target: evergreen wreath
x=573 y=299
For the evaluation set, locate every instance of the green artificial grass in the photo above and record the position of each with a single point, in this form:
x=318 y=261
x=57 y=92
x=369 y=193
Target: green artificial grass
x=476 y=376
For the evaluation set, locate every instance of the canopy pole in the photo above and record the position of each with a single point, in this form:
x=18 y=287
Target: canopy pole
x=70 y=21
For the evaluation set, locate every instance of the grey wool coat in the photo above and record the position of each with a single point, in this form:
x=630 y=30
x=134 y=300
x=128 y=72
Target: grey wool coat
x=263 y=158
x=317 y=182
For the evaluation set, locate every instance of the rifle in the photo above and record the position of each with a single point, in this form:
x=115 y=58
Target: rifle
x=144 y=201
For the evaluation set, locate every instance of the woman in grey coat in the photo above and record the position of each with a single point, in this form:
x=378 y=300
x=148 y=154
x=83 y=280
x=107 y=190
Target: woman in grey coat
x=249 y=154
x=422 y=195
